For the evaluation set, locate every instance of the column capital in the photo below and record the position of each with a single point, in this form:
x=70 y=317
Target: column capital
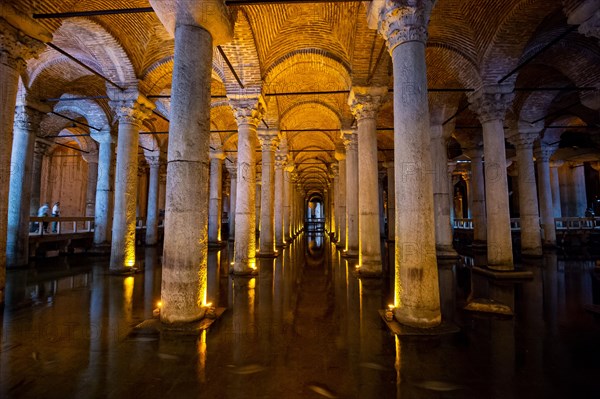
x=335 y=170
x=280 y=160
x=28 y=118
x=248 y=110
x=400 y=21
x=350 y=139
x=232 y=167
x=103 y=137
x=154 y=161
x=523 y=140
x=269 y=139
x=365 y=102
x=130 y=106
x=544 y=152
x=217 y=154
x=556 y=164
x=491 y=102
x=595 y=165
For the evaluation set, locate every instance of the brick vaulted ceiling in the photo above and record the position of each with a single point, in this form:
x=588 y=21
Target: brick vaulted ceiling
x=314 y=47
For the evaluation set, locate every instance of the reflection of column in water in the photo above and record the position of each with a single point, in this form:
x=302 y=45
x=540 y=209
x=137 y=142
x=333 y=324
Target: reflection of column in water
x=549 y=276
x=202 y=357
x=530 y=316
x=353 y=309
x=372 y=380
x=502 y=344
x=213 y=277
x=398 y=366
x=447 y=275
x=150 y=261
x=278 y=294
x=264 y=317
x=288 y=283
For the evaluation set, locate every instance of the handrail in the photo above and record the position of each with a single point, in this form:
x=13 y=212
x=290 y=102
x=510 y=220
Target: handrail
x=40 y=225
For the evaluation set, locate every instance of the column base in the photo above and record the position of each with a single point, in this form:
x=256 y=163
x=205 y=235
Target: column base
x=446 y=252
x=126 y=271
x=273 y=254
x=488 y=306
x=532 y=252
x=400 y=329
x=245 y=273
x=506 y=274
x=350 y=253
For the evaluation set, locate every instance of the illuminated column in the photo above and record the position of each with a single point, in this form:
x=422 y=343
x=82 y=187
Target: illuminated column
x=26 y=126
x=403 y=24
x=364 y=103
x=232 y=169
x=466 y=176
x=257 y=204
x=382 y=174
x=490 y=104
x=131 y=109
x=287 y=198
x=577 y=177
x=248 y=113
x=340 y=156
x=184 y=271
x=333 y=199
x=104 y=189
x=17 y=45
x=268 y=141
x=391 y=210
x=39 y=150
x=215 y=205
x=280 y=161
x=531 y=236
x=92 y=183
x=478 y=193
x=162 y=188
x=352 y=222
x=152 y=211
x=554 y=182
x=439 y=136
x=542 y=156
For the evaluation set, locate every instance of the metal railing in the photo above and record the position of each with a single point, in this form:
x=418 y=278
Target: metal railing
x=47 y=225
x=570 y=223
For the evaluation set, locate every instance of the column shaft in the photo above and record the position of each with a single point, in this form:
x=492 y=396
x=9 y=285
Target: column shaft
x=352 y=222
x=279 y=199
x=267 y=207
x=391 y=211
x=104 y=193
x=555 y=185
x=478 y=190
x=287 y=204
x=545 y=193
x=342 y=225
x=184 y=273
x=152 y=212
x=36 y=177
x=215 y=207
x=90 y=194
x=531 y=240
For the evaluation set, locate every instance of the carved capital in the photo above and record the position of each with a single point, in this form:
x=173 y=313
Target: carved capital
x=269 y=140
x=27 y=119
x=335 y=170
x=544 y=152
x=232 y=168
x=153 y=161
x=350 y=140
x=522 y=140
x=491 y=102
x=130 y=106
x=217 y=155
x=280 y=161
x=248 y=111
x=365 y=102
x=401 y=21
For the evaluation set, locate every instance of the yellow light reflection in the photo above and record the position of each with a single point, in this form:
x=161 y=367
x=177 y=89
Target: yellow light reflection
x=398 y=365
x=202 y=356
x=130 y=260
x=127 y=294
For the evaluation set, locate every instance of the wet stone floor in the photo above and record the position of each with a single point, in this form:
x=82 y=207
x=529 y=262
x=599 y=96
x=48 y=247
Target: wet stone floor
x=305 y=327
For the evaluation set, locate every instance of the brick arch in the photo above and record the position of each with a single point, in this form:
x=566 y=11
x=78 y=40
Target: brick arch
x=88 y=109
x=448 y=65
x=159 y=75
x=504 y=50
x=320 y=62
x=94 y=40
x=323 y=107
x=243 y=55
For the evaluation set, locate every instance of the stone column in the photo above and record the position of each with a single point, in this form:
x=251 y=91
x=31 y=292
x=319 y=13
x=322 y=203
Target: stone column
x=248 y=113
x=215 y=205
x=104 y=190
x=131 y=109
x=340 y=156
x=269 y=141
x=381 y=189
x=439 y=136
x=542 y=156
x=478 y=193
x=26 y=126
x=466 y=176
x=184 y=272
x=257 y=194
x=490 y=103
x=92 y=183
x=391 y=211
x=152 y=211
x=555 y=184
x=364 y=103
x=15 y=49
x=352 y=221
x=280 y=161
x=331 y=209
x=403 y=24
x=531 y=236
x=577 y=176
x=162 y=187
x=232 y=169
x=287 y=201
x=39 y=150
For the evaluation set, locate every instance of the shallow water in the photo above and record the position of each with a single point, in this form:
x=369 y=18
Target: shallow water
x=305 y=327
